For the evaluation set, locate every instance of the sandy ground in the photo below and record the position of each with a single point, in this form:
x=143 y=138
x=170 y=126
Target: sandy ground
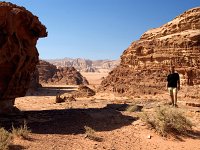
x=62 y=126
x=94 y=78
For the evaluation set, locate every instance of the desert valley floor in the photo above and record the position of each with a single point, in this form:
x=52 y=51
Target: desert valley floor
x=100 y=122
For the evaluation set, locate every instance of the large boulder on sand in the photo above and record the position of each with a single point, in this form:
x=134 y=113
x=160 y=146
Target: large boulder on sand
x=19 y=32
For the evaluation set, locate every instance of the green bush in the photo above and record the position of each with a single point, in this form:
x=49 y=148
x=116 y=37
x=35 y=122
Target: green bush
x=168 y=120
x=5 y=139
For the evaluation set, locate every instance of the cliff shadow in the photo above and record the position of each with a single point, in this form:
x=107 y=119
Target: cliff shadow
x=71 y=121
x=51 y=91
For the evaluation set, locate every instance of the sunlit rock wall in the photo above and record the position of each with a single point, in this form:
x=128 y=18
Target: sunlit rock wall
x=146 y=62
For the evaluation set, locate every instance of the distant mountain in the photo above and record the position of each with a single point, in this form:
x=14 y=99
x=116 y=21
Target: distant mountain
x=86 y=65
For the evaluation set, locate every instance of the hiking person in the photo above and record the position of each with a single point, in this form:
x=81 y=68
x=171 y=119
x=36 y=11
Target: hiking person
x=173 y=85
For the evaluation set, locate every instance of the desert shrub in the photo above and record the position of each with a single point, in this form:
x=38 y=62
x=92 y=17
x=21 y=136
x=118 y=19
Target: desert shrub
x=168 y=120
x=5 y=139
x=134 y=108
x=22 y=132
x=90 y=134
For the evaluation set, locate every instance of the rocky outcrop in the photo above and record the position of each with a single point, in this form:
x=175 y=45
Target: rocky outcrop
x=34 y=82
x=50 y=74
x=82 y=91
x=46 y=71
x=19 y=32
x=145 y=63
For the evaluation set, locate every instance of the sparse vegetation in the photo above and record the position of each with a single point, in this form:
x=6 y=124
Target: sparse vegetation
x=22 y=132
x=90 y=134
x=134 y=108
x=5 y=139
x=168 y=120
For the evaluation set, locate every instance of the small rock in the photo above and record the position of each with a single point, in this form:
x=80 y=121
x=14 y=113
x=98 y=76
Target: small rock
x=149 y=137
x=193 y=104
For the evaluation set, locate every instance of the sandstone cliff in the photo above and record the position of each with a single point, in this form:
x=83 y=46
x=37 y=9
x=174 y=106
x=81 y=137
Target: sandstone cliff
x=145 y=63
x=19 y=32
x=48 y=73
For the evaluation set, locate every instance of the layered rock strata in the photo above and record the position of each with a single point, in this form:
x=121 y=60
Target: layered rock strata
x=19 y=32
x=50 y=74
x=146 y=62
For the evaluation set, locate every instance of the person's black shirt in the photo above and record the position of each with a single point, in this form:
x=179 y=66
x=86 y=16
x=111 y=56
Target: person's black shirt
x=172 y=79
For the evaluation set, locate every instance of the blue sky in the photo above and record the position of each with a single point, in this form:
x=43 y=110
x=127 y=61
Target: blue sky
x=98 y=29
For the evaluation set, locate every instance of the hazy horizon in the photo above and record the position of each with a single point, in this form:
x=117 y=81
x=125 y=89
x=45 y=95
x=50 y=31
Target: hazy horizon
x=100 y=29
x=79 y=58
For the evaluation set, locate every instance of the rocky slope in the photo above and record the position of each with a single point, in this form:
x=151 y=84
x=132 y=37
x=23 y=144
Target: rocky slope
x=86 y=65
x=49 y=73
x=145 y=63
x=19 y=32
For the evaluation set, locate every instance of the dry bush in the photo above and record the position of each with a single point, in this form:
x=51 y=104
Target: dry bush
x=134 y=108
x=5 y=139
x=168 y=120
x=22 y=132
x=90 y=134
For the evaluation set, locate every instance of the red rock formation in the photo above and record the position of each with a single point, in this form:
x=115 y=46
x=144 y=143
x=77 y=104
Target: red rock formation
x=46 y=71
x=19 y=32
x=144 y=65
x=34 y=82
x=83 y=91
x=50 y=74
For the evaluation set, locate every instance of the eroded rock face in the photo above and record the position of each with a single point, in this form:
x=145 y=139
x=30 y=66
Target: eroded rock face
x=145 y=64
x=19 y=32
x=50 y=74
x=34 y=82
